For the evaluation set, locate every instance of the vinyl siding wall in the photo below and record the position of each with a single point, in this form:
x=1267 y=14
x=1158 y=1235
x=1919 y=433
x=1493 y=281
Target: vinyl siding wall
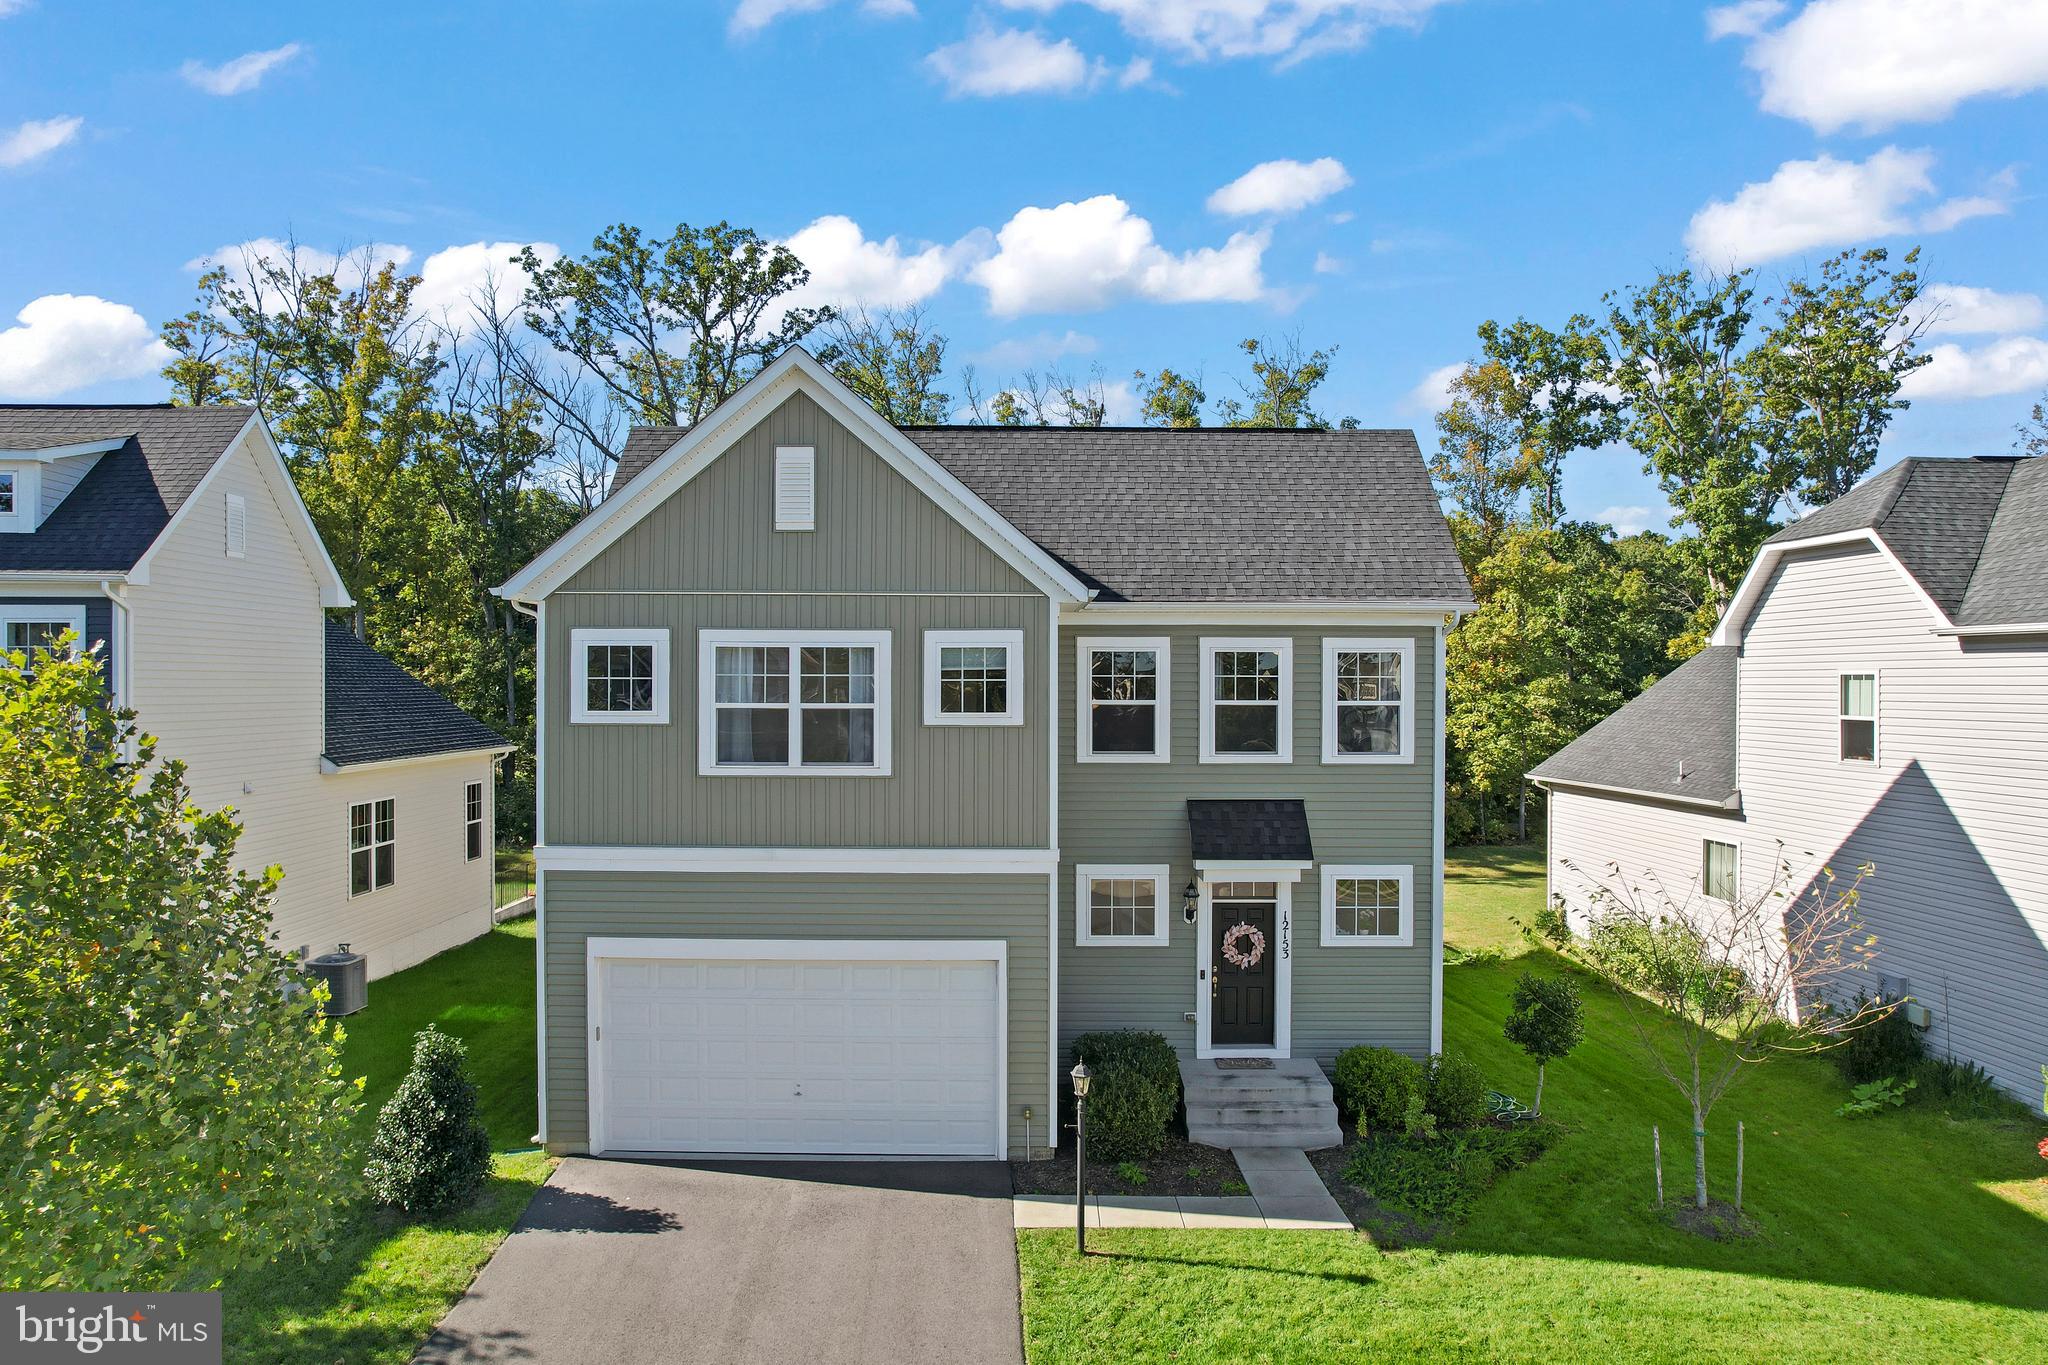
x=1358 y=813
x=883 y=557
x=579 y=905
x=229 y=674
x=1648 y=843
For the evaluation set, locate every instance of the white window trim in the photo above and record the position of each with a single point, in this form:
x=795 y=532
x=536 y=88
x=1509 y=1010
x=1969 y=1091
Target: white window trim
x=1210 y=648
x=235 y=507
x=1402 y=873
x=70 y=613
x=482 y=822
x=580 y=642
x=789 y=460
x=28 y=498
x=1088 y=873
x=1876 y=711
x=708 y=642
x=1735 y=844
x=1011 y=641
x=1162 y=729
x=1332 y=647
x=348 y=847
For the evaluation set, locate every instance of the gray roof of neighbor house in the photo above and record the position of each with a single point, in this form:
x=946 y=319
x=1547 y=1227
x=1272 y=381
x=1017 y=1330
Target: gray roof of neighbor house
x=376 y=711
x=1968 y=530
x=1154 y=514
x=117 y=511
x=1676 y=740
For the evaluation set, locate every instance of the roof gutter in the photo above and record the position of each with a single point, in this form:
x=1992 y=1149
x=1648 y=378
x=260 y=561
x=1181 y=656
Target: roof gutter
x=1733 y=802
x=330 y=767
x=2016 y=628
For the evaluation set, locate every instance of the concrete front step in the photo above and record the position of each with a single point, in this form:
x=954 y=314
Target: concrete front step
x=1300 y=1137
x=1304 y=1114
x=1286 y=1105
x=1270 y=1092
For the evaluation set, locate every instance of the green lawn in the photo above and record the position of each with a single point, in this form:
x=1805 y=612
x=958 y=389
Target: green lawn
x=1907 y=1236
x=387 y=1281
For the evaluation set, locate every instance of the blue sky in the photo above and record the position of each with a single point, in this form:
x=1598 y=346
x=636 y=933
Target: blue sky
x=1044 y=175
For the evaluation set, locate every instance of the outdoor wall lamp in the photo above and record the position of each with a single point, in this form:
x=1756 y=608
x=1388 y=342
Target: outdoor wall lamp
x=1189 y=900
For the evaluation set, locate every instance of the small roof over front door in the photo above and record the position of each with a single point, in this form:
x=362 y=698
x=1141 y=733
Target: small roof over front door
x=1238 y=834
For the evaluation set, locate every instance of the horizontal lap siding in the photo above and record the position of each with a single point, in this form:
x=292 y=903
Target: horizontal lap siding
x=1600 y=841
x=646 y=904
x=1137 y=813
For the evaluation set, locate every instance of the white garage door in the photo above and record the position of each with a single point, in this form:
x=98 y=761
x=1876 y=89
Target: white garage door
x=815 y=1055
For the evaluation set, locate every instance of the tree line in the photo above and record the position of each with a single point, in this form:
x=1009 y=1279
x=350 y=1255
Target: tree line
x=440 y=454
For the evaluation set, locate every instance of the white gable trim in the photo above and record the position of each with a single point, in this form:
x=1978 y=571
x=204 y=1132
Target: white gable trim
x=66 y=452
x=270 y=461
x=1735 y=620
x=795 y=370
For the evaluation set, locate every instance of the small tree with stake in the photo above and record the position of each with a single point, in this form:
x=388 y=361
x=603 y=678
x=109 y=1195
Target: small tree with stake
x=1713 y=985
x=1545 y=1020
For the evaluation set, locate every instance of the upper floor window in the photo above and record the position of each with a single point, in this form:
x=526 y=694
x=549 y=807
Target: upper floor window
x=1120 y=905
x=1247 y=701
x=1125 y=692
x=35 y=627
x=6 y=492
x=1368 y=703
x=794 y=701
x=472 y=822
x=1368 y=906
x=618 y=677
x=1859 y=717
x=372 y=845
x=973 y=677
x=20 y=491
x=1720 y=870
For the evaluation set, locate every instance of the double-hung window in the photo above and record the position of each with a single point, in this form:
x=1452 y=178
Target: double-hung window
x=1858 y=717
x=33 y=628
x=618 y=677
x=973 y=677
x=1121 y=905
x=6 y=492
x=1368 y=906
x=372 y=846
x=793 y=702
x=1720 y=870
x=1124 y=694
x=1247 y=701
x=1368 y=701
x=473 y=822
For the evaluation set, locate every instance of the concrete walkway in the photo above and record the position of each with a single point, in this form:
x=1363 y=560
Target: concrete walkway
x=1286 y=1194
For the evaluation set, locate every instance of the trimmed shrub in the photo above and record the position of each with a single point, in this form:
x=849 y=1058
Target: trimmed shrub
x=1381 y=1089
x=1438 y=1179
x=1886 y=1046
x=430 y=1153
x=1457 y=1091
x=1135 y=1089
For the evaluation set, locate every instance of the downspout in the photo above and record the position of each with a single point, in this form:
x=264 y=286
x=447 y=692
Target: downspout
x=540 y=877
x=121 y=676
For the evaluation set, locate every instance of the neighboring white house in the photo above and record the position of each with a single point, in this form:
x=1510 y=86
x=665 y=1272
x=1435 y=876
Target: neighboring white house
x=1877 y=692
x=173 y=541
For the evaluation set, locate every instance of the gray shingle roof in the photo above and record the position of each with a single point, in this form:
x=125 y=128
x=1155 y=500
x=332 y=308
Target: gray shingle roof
x=1150 y=514
x=376 y=711
x=1250 y=831
x=1684 y=724
x=1938 y=516
x=116 y=512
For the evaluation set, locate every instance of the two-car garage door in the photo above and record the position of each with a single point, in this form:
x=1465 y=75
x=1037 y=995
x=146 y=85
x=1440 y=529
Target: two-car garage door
x=797 y=1047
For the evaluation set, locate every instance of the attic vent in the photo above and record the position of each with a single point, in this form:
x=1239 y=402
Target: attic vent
x=238 y=527
x=796 y=488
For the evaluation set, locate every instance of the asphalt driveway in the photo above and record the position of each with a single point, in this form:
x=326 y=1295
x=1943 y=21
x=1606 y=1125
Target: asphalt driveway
x=823 y=1263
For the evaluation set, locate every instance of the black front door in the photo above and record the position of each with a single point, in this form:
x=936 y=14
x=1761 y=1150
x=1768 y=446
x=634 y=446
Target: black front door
x=1241 y=950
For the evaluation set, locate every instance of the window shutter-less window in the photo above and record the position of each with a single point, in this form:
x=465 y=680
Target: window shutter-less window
x=238 y=527
x=796 y=488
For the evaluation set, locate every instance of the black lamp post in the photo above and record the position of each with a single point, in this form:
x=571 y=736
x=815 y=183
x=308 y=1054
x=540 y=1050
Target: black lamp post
x=1081 y=1076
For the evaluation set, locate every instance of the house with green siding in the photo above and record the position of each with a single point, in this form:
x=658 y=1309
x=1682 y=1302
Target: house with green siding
x=877 y=763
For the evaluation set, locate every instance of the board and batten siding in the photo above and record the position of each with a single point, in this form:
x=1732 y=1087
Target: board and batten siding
x=1358 y=813
x=883 y=557
x=582 y=905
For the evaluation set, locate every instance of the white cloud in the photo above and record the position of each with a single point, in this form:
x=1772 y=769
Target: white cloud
x=1280 y=187
x=1291 y=30
x=1627 y=521
x=1086 y=255
x=1433 y=393
x=454 y=278
x=847 y=268
x=68 y=341
x=349 y=268
x=37 y=139
x=1326 y=264
x=751 y=16
x=1965 y=310
x=11 y=7
x=1042 y=348
x=242 y=74
x=1745 y=19
x=2012 y=365
x=1876 y=63
x=1011 y=61
x=1826 y=202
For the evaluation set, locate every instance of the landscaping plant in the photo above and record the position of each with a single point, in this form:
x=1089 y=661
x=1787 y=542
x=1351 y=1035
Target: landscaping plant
x=171 y=1103
x=1873 y=1097
x=1888 y=1045
x=1545 y=1020
x=1132 y=1098
x=430 y=1152
x=1381 y=1089
x=1456 y=1091
x=1706 y=981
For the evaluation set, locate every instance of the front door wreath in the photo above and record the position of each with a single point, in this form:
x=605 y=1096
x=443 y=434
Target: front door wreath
x=1244 y=959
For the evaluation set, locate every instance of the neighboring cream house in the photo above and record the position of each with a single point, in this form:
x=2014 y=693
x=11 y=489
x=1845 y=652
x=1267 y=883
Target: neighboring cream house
x=1877 y=692
x=173 y=542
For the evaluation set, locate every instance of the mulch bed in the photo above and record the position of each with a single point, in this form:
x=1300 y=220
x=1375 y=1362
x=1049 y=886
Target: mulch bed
x=1388 y=1227
x=1182 y=1167
x=1717 y=1222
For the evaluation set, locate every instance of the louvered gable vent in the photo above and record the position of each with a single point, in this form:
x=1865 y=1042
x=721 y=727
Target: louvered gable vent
x=238 y=527
x=796 y=488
